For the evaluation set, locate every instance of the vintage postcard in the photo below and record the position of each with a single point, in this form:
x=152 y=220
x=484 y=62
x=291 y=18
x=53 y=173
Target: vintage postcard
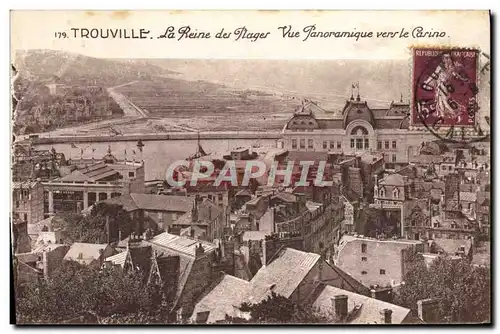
x=251 y=167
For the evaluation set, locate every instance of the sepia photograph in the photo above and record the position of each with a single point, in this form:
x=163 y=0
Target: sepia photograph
x=205 y=191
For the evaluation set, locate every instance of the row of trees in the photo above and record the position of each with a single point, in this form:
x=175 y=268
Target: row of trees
x=109 y=294
x=463 y=289
x=102 y=225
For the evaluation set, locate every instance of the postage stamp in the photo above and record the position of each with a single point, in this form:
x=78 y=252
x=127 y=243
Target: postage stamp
x=445 y=87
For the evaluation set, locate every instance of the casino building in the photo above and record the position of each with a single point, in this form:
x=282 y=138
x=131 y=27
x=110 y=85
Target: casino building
x=357 y=128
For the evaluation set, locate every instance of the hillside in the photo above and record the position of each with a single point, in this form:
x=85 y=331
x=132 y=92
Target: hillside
x=56 y=89
x=326 y=81
x=60 y=67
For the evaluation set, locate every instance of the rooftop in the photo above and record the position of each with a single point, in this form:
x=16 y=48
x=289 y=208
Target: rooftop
x=85 y=252
x=180 y=244
x=361 y=309
x=153 y=202
x=452 y=246
x=283 y=275
x=118 y=259
x=254 y=235
x=223 y=298
x=24 y=184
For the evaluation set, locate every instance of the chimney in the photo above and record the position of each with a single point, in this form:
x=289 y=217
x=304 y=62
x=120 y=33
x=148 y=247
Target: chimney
x=194 y=210
x=339 y=305
x=148 y=234
x=384 y=294
x=428 y=310
x=386 y=316
x=199 y=250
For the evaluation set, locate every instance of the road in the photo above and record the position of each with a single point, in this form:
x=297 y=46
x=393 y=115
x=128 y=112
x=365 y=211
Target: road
x=132 y=113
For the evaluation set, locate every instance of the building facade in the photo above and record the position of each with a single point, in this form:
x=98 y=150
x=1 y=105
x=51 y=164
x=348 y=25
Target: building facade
x=92 y=182
x=357 y=128
x=27 y=198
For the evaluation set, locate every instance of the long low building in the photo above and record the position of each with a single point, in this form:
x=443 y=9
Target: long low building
x=93 y=181
x=356 y=128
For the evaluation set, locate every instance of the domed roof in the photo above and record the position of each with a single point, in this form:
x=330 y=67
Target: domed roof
x=109 y=158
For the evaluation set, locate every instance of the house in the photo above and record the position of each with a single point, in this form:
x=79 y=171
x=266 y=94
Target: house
x=21 y=240
x=452 y=247
x=342 y=306
x=186 y=266
x=136 y=256
x=205 y=220
x=88 y=254
x=375 y=262
x=224 y=297
x=306 y=279
x=164 y=210
x=27 y=198
x=482 y=254
x=295 y=274
x=39 y=263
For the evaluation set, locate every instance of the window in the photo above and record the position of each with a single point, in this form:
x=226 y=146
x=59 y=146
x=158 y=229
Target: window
x=325 y=145
x=339 y=145
x=302 y=143
x=131 y=174
x=393 y=158
x=359 y=143
x=393 y=144
x=387 y=144
x=352 y=143
x=25 y=216
x=382 y=271
x=379 y=145
x=363 y=248
x=310 y=143
x=294 y=143
x=364 y=272
x=367 y=143
x=332 y=144
x=395 y=192
x=220 y=197
x=443 y=167
x=363 y=259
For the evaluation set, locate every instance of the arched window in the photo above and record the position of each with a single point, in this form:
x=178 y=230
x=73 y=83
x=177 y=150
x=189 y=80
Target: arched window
x=395 y=192
x=359 y=138
x=381 y=192
x=359 y=131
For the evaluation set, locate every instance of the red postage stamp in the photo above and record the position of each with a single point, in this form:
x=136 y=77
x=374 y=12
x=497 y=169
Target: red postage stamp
x=444 y=87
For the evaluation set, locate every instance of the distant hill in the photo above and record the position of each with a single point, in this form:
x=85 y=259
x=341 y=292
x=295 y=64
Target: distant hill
x=56 y=88
x=380 y=81
x=60 y=67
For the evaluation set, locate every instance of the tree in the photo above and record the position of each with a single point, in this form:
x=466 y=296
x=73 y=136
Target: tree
x=463 y=290
x=94 y=227
x=278 y=309
x=107 y=293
